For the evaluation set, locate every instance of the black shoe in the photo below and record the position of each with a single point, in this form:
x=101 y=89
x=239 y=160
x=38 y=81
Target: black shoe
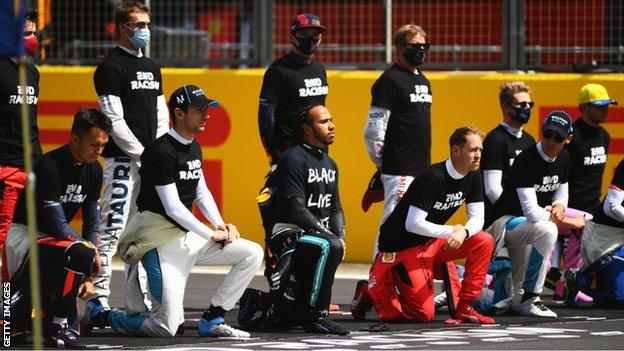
x=324 y=326
x=250 y=313
x=62 y=337
x=181 y=330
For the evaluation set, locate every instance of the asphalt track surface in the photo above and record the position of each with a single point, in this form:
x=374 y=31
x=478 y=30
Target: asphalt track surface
x=575 y=329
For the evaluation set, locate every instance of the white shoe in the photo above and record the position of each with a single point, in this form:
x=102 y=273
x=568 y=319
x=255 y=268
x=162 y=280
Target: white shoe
x=535 y=308
x=224 y=330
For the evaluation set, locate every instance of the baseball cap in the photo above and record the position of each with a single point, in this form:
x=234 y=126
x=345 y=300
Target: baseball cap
x=307 y=20
x=559 y=122
x=595 y=94
x=190 y=95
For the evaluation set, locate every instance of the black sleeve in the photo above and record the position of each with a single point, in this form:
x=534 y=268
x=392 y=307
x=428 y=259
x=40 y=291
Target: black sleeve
x=107 y=81
x=266 y=126
x=299 y=215
x=493 y=157
x=57 y=223
x=90 y=222
x=291 y=173
x=475 y=193
x=383 y=93
x=272 y=85
x=159 y=164
x=422 y=192
x=336 y=218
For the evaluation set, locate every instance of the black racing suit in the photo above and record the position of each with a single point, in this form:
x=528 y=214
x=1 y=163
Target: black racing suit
x=305 y=247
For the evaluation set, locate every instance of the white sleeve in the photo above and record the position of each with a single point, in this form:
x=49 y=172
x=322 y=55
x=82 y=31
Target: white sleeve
x=206 y=203
x=175 y=209
x=531 y=209
x=561 y=195
x=476 y=217
x=612 y=205
x=493 y=182
x=375 y=133
x=162 y=112
x=111 y=106
x=416 y=222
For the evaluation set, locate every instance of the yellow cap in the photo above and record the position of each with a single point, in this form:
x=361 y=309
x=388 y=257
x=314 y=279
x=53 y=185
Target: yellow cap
x=595 y=94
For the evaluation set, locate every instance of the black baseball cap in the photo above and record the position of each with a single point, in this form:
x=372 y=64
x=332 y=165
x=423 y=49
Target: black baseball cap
x=559 y=122
x=190 y=95
x=306 y=20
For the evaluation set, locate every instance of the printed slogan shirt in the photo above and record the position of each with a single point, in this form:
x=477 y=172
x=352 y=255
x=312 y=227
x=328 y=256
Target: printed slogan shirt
x=407 y=144
x=308 y=173
x=588 y=151
x=63 y=181
x=435 y=192
x=11 y=145
x=168 y=161
x=138 y=83
x=291 y=84
x=530 y=170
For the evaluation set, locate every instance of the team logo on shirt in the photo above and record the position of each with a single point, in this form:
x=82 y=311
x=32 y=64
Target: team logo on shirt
x=145 y=80
x=313 y=87
x=451 y=201
x=73 y=194
x=194 y=170
x=549 y=183
x=598 y=156
x=421 y=94
x=31 y=98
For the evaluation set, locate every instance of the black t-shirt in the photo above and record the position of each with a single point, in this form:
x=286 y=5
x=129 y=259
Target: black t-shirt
x=291 y=85
x=138 y=83
x=308 y=173
x=617 y=181
x=168 y=161
x=437 y=193
x=588 y=151
x=530 y=170
x=407 y=146
x=11 y=146
x=61 y=179
x=500 y=149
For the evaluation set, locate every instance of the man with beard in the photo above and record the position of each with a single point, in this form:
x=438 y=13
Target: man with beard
x=307 y=240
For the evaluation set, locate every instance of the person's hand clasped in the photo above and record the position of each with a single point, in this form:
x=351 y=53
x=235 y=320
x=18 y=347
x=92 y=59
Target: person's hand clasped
x=457 y=237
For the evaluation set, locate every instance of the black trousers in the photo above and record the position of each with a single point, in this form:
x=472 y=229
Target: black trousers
x=63 y=265
x=314 y=265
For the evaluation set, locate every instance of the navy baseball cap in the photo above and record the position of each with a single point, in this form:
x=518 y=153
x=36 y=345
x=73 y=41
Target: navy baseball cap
x=307 y=20
x=559 y=122
x=190 y=95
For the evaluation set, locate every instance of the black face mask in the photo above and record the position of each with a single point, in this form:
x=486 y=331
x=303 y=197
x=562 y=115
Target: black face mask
x=522 y=114
x=307 y=45
x=415 y=54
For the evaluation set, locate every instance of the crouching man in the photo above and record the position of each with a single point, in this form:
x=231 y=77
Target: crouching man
x=414 y=239
x=169 y=240
x=68 y=179
x=307 y=241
